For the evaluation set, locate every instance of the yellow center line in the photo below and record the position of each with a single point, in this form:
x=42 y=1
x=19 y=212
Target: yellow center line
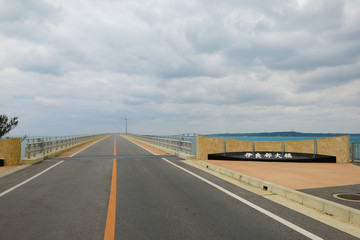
x=110 y=220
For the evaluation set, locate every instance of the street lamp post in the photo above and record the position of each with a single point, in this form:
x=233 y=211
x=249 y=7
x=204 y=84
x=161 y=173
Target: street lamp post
x=125 y=125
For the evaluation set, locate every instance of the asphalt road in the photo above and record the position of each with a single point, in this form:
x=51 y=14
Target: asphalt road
x=154 y=199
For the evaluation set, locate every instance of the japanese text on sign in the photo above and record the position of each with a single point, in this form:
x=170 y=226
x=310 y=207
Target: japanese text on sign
x=269 y=155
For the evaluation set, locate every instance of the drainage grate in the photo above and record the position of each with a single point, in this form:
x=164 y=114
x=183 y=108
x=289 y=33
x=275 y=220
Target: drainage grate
x=348 y=196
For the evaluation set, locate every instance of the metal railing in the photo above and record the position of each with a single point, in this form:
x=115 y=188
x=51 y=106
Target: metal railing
x=355 y=151
x=178 y=143
x=42 y=146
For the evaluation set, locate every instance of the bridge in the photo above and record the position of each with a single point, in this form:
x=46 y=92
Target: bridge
x=119 y=188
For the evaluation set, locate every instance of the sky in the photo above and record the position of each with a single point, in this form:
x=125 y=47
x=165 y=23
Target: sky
x=173 y=67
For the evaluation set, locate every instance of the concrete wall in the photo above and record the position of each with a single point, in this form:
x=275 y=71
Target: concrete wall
x=303 y=146
x=335 y=146
x=10 y=150
x=238 y=145
x=206 y=145
x=268 y=146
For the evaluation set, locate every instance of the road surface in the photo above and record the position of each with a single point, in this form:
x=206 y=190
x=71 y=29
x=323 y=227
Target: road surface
x=117 y=190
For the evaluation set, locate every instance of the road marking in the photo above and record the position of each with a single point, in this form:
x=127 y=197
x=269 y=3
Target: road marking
x=110 y=220
x=87 y=147
x=250 y=204
x=28 y=180
x=141 y=146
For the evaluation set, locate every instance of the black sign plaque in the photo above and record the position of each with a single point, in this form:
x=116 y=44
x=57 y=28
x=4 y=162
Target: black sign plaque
x=272 y=157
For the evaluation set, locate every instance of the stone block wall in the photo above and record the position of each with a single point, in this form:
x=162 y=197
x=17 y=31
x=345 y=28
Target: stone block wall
x=10 y=150
x=268 y=146
x=301 y=146
x=335 y=146
x=238 y=145
x=206 y=145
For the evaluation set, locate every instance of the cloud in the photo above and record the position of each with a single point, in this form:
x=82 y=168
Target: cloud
x=180 y=66
x=329 y=77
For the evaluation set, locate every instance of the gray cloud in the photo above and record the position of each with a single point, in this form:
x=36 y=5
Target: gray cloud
x=183 y=66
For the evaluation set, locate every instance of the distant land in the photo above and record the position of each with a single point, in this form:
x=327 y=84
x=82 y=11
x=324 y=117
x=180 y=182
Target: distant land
x=283 y=134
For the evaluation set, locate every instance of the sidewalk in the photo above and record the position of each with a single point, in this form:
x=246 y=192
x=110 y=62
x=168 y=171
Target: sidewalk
x=297 y=175
x=318 y=179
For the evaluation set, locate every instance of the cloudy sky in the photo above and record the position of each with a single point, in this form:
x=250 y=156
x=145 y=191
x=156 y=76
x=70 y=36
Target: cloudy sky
x=171 y=67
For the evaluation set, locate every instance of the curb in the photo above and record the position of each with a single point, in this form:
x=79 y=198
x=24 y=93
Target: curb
x=345 y=213
x=10 y=171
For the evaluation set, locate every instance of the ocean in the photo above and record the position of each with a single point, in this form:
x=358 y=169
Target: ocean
x=274 y=139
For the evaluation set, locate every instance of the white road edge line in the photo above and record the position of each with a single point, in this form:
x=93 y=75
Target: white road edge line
x=140 y=146
x=250 y=204
x=86 y=147
x=28 y=180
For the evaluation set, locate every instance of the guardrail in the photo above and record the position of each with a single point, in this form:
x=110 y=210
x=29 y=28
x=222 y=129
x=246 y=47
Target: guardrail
x=42 y=146
x=355 y=151
x=181 y=144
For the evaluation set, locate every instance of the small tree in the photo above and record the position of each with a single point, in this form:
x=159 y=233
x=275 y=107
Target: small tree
x=7 y=125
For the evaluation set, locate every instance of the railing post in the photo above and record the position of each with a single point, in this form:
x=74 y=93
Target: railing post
x=27 y=149
x=41 y=145
x=35 y=146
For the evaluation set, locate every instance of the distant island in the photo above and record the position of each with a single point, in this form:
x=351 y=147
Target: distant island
x=283 y=134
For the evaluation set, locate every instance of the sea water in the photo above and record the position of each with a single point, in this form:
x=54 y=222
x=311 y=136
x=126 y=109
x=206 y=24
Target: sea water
x=274 y=139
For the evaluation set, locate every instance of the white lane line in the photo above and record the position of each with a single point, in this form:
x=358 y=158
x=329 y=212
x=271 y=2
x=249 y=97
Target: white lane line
x=28 y=180
x=250 y=204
